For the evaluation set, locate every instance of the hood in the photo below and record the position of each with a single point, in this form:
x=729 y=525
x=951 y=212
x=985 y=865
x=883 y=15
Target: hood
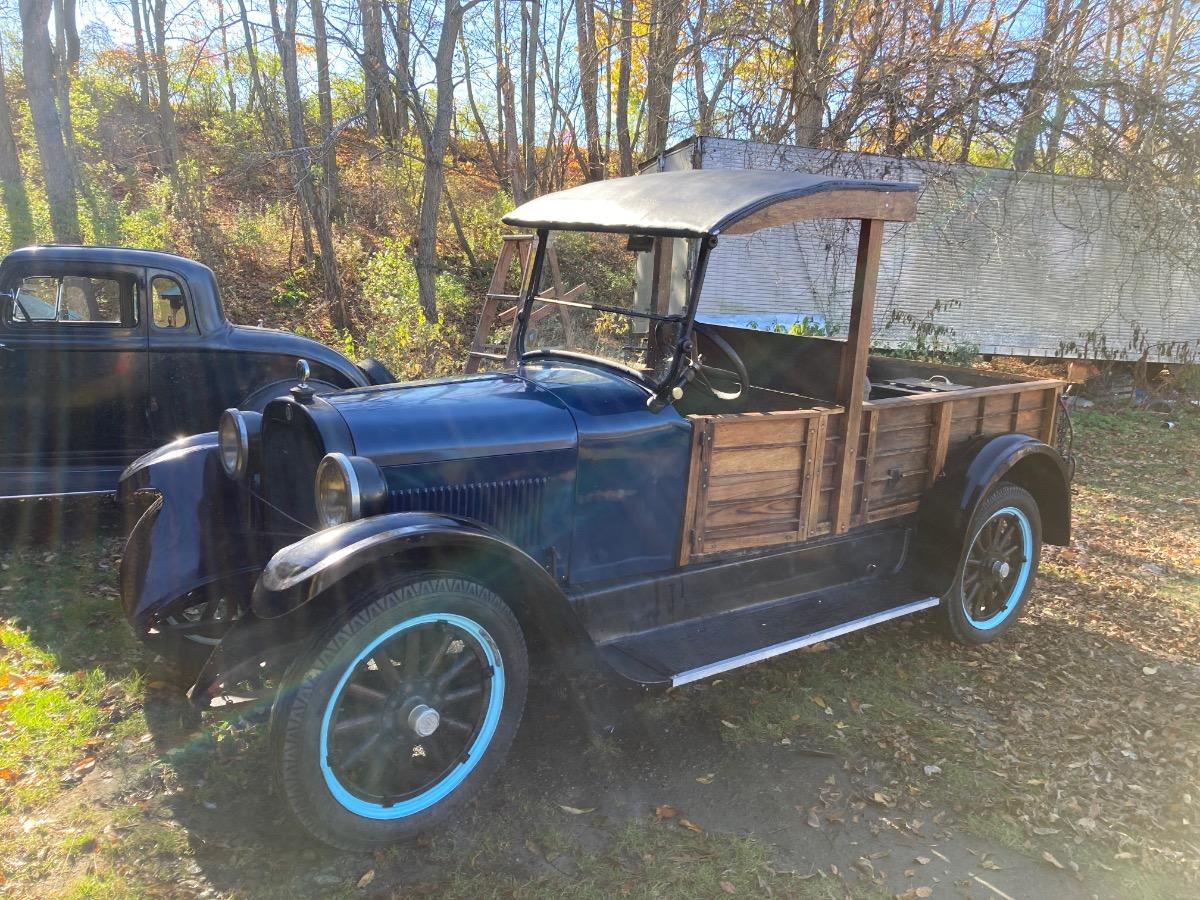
x=464 y=417
x=284 y=343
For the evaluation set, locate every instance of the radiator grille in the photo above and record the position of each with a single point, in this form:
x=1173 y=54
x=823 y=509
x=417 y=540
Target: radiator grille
x=291 y=452
x=514 y=508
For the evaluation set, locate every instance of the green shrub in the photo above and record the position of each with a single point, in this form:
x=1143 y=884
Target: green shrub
x=396 y=330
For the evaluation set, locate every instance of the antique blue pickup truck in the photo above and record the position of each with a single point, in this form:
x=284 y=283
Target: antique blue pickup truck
x=668 y=498
x=107 y=352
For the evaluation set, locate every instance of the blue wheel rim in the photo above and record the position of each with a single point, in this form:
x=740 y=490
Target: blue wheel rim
x=996 y=570
x=449 y=780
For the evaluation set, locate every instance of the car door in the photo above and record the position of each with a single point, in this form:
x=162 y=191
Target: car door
x=74 y=375
x=193 y=378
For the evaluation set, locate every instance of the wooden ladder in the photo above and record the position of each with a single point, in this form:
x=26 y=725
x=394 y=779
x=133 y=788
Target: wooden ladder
x=502 y=303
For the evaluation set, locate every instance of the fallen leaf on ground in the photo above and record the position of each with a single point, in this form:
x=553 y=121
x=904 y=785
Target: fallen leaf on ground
x=576 y=811
x=728 y=888
x=1049 y=857
x=367 y=878
x=706 y=779
x=814 y=820
x=690 y=826
x=666 y=811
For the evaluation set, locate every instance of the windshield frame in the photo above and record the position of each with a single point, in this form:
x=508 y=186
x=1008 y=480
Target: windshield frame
x=683 y=345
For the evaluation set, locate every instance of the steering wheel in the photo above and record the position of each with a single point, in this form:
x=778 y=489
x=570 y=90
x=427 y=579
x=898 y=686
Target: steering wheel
x=731 y=356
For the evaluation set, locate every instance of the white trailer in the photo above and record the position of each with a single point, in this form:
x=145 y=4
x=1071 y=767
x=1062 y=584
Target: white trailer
x=1014 y=263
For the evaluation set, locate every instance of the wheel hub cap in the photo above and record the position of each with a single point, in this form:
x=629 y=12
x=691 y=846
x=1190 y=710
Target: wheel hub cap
x=1001 y=568
x=424 y=720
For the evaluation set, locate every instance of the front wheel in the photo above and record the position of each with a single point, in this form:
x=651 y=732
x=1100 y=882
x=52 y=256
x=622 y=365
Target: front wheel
x=995 y=576
x=401 y=712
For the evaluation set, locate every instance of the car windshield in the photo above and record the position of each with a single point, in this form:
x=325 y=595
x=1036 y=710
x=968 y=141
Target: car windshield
x=616 y=297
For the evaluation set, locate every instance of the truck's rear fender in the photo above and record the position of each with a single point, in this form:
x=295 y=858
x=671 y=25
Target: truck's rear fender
x=196 y=534
x=325 y=573
x=970 y=475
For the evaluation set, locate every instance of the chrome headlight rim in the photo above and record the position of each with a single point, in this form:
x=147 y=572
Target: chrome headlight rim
x=353 y=500
x=241 y=458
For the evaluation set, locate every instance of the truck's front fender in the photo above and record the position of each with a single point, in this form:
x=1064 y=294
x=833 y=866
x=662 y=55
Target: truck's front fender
x=313 y=569
x=193 y=535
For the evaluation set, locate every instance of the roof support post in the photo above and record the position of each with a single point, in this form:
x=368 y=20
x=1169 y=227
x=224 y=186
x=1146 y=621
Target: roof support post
x=853 y=372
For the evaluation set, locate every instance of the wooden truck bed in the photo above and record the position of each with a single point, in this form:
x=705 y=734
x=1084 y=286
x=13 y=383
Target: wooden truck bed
x=759 y=479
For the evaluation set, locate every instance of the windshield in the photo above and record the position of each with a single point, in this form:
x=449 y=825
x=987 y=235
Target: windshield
x=617 y=297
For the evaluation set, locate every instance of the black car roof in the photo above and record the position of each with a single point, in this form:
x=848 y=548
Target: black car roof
x=103 y=255
x=695 y=203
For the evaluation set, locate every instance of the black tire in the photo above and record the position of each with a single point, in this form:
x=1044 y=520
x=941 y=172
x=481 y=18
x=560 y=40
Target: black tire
x=342 y=794
x=1001 y=553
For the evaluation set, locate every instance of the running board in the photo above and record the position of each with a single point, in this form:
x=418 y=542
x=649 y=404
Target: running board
x=701 y=648
x=745 y=659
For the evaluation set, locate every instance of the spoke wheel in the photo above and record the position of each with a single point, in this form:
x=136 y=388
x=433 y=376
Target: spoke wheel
x=998 y=567
x=400 y=711
x=411 y=710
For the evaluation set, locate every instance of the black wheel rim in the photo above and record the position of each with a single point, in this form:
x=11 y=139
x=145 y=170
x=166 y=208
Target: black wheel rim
x=997 y=567
x=433 y=673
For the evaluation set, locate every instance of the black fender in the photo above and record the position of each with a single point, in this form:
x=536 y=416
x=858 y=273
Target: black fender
x=325 y=568
x=376 y=372
x=969 y=476
x=181 y=543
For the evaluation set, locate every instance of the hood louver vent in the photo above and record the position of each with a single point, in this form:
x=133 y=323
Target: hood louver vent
x=514 y=508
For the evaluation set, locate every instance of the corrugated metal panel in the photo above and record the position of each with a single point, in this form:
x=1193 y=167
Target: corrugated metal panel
x=514 y=508
x=1023 y=264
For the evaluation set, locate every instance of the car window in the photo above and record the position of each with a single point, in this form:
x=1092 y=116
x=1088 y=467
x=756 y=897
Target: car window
x=36 y=299
x=71 y=299
x=167 y=303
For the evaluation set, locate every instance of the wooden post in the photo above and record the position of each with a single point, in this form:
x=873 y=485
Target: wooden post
x=853 y=371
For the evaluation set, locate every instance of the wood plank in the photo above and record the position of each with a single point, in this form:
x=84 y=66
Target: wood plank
x=850 y=203
x=853 y=372
x=812 y=477
x=768 y=459
x=970 y=393
x=745 y=432
x=1050 y=414
x=780 y=510
x=731 y=488
x=891 y=512
x=868 y=461
x=693 y=511
x=940 y=443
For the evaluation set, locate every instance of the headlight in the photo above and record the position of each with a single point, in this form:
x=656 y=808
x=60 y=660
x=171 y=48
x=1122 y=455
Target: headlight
x=237 y=437
x=348 y=488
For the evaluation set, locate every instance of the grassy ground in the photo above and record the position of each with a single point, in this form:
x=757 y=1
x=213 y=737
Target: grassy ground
x=1064 y=759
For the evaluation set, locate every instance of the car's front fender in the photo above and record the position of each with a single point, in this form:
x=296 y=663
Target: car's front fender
x=194 y=534
x=311 y=568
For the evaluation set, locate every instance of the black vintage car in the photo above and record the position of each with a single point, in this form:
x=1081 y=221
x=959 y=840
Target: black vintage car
x=670 y=498
x=108 y=352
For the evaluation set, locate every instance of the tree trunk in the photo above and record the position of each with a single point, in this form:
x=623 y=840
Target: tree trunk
x=38 y=65
x=225 y=58
x=16 y=201
x=301 y=162
x=624 y=143
x=435 y=160
x=662 y=54
x=141 y=65
x=531 y=18
x=585 y=31
x=381 y=114
x=329 y=174
x=166 y=113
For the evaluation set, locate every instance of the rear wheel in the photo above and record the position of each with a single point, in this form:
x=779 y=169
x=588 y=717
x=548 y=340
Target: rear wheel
x=999 y=565
x=401 y=712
